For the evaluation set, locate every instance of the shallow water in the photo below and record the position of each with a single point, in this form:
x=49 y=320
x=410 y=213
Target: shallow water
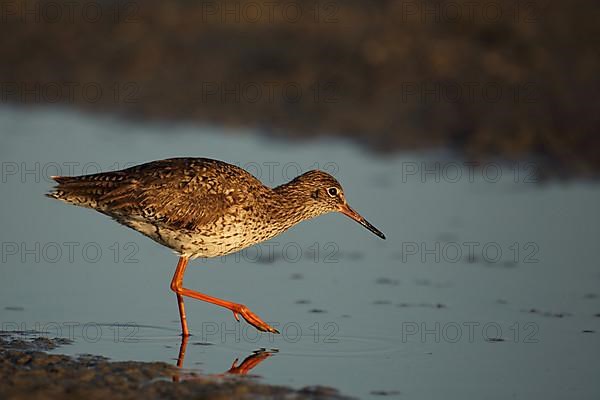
x=418 y=315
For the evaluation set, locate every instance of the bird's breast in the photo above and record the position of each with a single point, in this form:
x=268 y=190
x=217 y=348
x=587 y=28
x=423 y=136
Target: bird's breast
x=226 y=235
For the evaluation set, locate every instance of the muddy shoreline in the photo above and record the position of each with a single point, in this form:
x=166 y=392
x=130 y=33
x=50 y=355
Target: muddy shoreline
x=28 y=371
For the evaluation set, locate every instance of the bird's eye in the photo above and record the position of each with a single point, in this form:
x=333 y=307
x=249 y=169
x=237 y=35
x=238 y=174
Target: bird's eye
x=332 y=191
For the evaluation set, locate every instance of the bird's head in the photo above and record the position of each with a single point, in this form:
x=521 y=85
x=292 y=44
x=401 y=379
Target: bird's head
x=320 y=194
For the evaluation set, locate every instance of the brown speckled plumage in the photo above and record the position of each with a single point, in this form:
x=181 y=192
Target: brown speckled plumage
x=204 y=208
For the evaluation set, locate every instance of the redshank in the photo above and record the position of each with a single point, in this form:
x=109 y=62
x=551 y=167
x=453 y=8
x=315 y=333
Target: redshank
x=205 y=208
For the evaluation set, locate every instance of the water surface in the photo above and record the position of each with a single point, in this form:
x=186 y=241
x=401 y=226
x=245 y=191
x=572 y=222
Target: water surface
x=418 y=315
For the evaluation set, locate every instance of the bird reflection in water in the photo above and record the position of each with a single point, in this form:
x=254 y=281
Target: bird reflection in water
x=246 y=366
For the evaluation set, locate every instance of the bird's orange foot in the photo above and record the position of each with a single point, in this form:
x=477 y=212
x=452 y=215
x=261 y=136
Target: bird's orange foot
x=249 y=362
x=251 y=318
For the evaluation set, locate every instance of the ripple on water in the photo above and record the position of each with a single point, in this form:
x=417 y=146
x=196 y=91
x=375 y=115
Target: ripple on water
x=327 y=344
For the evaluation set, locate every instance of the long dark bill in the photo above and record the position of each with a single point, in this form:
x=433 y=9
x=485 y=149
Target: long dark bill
x=346 y=210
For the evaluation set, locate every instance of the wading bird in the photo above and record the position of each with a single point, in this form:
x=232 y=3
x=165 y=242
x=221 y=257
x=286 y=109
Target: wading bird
x=205 y=208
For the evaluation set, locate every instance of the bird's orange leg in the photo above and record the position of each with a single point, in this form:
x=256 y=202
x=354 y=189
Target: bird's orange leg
x=184 y=329
x=248 y=364
x=237 y=309
x=181 y=357
x=182 y=348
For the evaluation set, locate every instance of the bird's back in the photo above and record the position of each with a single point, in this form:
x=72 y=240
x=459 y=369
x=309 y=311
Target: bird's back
x=151 y=183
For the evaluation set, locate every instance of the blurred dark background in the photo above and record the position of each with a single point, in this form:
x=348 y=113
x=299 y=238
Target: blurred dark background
x=509 y=79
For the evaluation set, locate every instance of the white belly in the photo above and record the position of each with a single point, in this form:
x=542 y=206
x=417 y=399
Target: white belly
x=232 y=237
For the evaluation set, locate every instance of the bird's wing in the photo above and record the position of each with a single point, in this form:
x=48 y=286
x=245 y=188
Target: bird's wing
x=178 y=193
x=182 y=194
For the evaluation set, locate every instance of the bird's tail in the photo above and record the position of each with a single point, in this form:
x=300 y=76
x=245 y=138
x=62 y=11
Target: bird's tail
x=84 y=191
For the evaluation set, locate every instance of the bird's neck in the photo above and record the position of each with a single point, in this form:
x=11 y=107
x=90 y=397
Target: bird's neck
x=291 y=205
